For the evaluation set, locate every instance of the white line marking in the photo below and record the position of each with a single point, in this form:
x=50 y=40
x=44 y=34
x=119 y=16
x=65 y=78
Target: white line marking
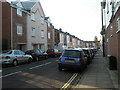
x=40 y=65
x=11 y=74
x=69 y=81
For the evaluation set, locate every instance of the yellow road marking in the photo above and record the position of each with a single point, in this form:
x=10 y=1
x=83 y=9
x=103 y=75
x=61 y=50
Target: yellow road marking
x=69 y=81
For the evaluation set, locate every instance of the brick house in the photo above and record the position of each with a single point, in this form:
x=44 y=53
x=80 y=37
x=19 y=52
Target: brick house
x=112 y=29
x=50 y=33
x=37 y=27
x=14 y=26
x=18 y=26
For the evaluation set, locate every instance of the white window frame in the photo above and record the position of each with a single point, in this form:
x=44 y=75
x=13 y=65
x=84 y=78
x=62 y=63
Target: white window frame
x=33 y=16
x=42 y=20
x=19 y=11
x=42 y=34
x=118 y=25
x=19 y=29
x=49 y=35
x=33 y=32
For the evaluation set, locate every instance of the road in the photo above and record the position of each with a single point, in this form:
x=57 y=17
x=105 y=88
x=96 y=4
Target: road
x=41 y=74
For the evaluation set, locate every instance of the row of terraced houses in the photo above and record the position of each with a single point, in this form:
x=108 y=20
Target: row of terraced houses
x=111 y=28
x=25 y=26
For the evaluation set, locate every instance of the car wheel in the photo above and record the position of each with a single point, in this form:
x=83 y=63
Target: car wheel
x=29 y=60
x=60 y=68
x=46 y=57
x=37 y=59
x=15 y=63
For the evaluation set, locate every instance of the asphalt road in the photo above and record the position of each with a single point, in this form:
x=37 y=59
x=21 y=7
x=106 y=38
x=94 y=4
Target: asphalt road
x=41 y=74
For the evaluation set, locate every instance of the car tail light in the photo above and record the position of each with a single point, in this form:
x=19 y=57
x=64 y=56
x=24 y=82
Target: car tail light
x=7 y=57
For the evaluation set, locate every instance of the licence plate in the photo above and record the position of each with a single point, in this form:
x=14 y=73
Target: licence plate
x=69 y=60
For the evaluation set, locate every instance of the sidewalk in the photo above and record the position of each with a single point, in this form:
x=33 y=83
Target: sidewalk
x=97 y=75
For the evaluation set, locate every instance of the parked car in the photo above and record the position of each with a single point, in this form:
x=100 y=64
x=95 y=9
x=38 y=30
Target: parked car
x=15 y=57
x=88 y=54
x=73 y=58
x=53 y=52
x=37 y=54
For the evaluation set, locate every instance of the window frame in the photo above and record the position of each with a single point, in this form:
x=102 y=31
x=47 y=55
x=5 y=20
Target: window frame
x=19 y=11
x=19 y=32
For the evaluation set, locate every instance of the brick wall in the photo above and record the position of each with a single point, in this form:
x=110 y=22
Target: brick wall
x=6 y=26
x=19 y=20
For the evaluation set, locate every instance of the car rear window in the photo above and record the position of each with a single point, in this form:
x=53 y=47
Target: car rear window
x=71 y=53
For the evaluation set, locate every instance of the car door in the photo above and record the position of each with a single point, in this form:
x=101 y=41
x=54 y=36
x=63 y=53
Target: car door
x=24 y=57
x=18 y=56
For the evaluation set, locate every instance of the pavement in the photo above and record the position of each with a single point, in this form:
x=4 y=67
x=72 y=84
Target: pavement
x=98 y=75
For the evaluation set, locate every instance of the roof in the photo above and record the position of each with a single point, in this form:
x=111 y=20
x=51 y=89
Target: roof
x=26 y=4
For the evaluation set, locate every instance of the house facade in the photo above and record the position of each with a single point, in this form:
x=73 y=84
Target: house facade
x=18 y=26
x=37 y=27
x=50 y=34
x=112 y=29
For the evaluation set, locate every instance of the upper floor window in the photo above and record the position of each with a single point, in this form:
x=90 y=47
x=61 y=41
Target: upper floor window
x=19 y=29
x=19 y=11
x=42 y=21
x=42 y=34
x=33 y=32
x=33 y=16
x=48 y=35
x=118 y=24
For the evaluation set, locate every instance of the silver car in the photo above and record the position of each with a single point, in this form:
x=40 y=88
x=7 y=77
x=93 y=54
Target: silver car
x=15 y=57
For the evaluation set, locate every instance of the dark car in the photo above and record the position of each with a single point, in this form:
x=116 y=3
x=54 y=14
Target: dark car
x=73 y=58
x=53 y=52
x=37 y=54
x=88 y=54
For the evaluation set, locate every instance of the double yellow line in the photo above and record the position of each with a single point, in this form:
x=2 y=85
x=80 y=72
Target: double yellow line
x=69 y=81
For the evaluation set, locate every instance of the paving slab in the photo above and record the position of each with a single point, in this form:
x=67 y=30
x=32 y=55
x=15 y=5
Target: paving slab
x=97 y=75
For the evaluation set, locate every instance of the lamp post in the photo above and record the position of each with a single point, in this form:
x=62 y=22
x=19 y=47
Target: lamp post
x=103 y=27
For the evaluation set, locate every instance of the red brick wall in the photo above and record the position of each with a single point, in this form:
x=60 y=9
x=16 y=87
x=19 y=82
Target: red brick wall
x=21 y=21
x=6 y=26
x=113 y=46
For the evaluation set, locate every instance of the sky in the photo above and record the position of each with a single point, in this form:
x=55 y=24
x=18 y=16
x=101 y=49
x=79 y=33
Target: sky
x=81 y=18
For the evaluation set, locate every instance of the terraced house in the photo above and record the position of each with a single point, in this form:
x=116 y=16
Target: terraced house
x=26 y=28
x=37 y=27
x=111 y=26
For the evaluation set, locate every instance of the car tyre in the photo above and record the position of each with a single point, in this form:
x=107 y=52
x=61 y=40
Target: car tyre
x=29 y=60
x=15 y=63
x=60 y=68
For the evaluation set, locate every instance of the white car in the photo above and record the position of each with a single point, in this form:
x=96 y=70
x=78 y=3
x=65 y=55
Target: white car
x=15 y=57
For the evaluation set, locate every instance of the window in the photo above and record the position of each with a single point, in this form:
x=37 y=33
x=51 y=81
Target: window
x=33 y=32
x=33 y=16
x=19 y=11
x=42 y=34
x=42 y=20
x=118 y=24
x=49 y=35
x=19 y=30
x=111 y=31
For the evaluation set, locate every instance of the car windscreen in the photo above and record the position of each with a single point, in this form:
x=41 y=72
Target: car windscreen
x=71 y=53
x=37 y=51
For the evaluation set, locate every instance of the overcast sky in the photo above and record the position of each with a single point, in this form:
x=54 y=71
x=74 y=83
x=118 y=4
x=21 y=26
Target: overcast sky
x=81 y=18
